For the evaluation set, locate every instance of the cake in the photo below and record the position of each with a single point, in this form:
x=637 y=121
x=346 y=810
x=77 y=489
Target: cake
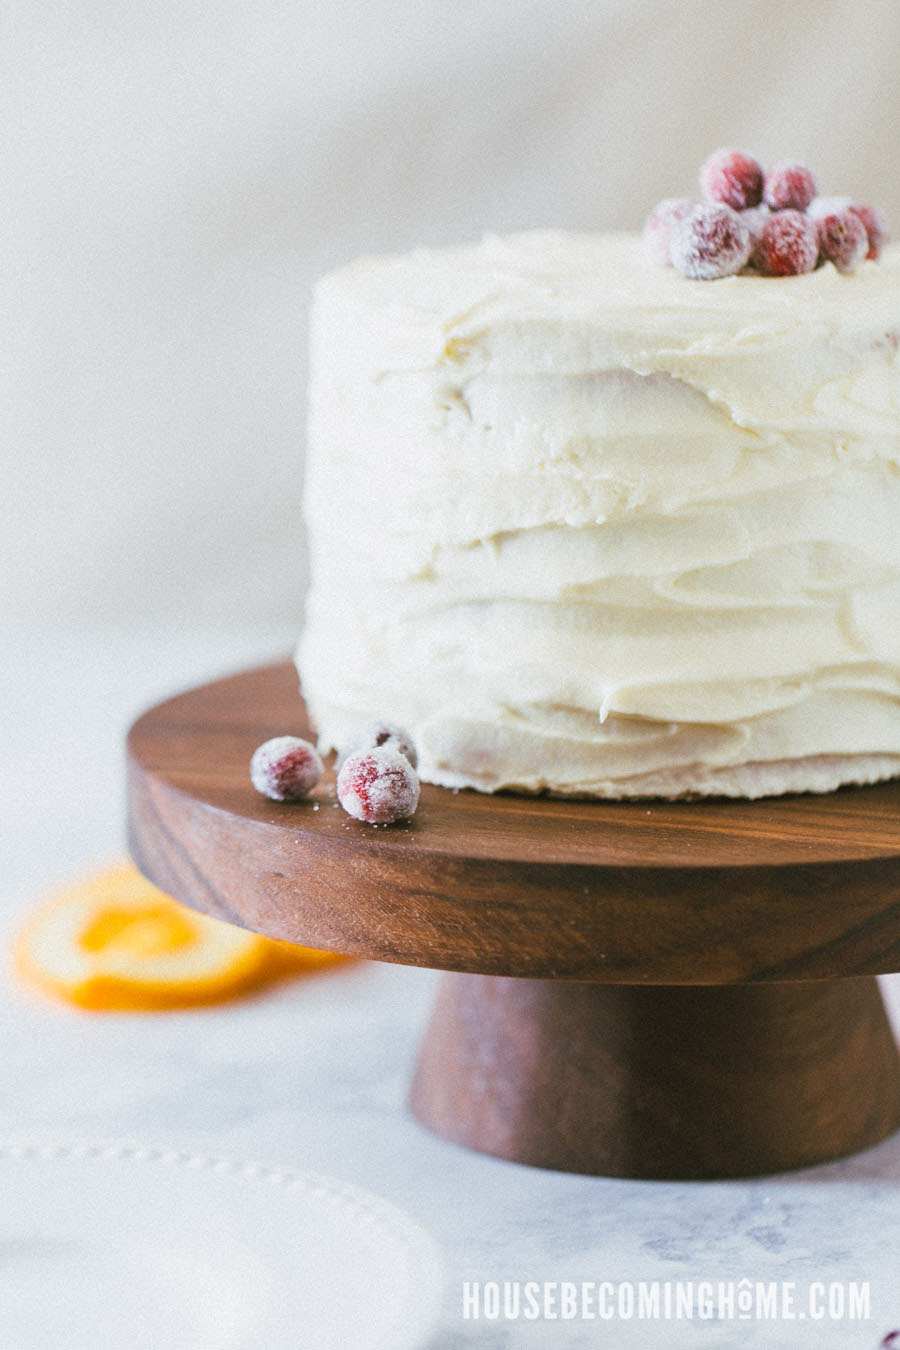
x=587 y=526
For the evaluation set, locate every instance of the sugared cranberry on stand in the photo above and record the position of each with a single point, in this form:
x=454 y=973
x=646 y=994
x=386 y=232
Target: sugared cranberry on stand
x=733 y=178
x=285 y=768
x=788 y=186
x=376 y=732
x=787 y=246
x=842 y=239
x=712 y=241
x=658 y=228
x=378 y=786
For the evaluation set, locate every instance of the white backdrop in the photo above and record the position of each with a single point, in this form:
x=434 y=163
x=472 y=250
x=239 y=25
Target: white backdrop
x=176 y=174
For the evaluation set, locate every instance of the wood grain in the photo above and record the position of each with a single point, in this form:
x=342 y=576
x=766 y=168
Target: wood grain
x=659 y=1082
x=709 y=892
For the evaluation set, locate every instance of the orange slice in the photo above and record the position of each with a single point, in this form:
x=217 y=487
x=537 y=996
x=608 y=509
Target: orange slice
x=287 y=958
x=115 y=942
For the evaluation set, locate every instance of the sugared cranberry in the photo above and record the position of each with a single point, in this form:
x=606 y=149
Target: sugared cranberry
x=843 y=239
x=891 y=1341
x=827 y=206
x=755 y=218
x=876 y=227
x=378 y=786
x=658 y=228
x=731 y=177
x=789 y=186
x=376 y=732
x=711 y=241
x=285 y=768
x=787 y=245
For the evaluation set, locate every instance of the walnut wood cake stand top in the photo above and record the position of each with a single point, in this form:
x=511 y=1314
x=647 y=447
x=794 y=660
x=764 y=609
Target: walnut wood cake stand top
x=706 y=892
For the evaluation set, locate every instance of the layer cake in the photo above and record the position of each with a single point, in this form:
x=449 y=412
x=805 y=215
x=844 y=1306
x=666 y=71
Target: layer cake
x=589 y=527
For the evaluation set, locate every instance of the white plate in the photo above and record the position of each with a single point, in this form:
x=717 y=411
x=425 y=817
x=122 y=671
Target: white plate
x=111 y=1246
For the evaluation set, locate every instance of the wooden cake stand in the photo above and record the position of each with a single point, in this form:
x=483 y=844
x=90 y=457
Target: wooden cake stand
x=643 y=989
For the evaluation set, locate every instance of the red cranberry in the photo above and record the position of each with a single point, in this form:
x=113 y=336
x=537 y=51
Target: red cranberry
x=658 y=228
x=789 y=186
x=731 y=177
x=843 y=239
x=378 y=786
x=285 y=768
x=876 y=227
x=755 y=218
x=787 y=245
x=827 y=206
x=376 y=732
x=712 y=241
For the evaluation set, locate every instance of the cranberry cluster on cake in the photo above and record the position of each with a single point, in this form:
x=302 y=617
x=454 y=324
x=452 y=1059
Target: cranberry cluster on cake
x=771 y=222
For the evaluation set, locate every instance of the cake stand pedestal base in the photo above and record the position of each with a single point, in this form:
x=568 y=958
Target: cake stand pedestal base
x=659 y=1081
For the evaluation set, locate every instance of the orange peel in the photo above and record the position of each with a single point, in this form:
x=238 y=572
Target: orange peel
x=116 y=942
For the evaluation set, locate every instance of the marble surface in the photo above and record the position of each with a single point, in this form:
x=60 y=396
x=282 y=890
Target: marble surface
x=314 y=1074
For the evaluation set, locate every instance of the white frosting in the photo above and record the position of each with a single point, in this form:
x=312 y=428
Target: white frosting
x=585 y=525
